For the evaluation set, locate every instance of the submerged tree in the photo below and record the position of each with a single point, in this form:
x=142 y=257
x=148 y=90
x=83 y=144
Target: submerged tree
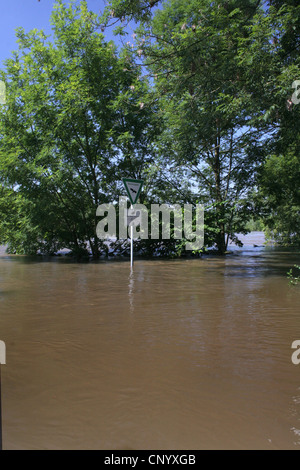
x=222 y=72
x=199 y=105
x=210 y=102
x=279 y=195
x=73 y=117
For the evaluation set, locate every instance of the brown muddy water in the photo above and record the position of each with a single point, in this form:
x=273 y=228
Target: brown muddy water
x=184 y=354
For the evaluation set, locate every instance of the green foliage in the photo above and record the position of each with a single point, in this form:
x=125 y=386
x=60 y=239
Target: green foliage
x=199 y=105
x=72 y=123
x=279 y=197
x=16 y=228
x=130 y=10
x=255 y=225
x=195 y=53
x=280 y=194
x=223 y=73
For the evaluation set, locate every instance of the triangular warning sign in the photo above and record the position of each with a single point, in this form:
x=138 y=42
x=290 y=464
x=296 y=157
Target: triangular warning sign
x=133 y=188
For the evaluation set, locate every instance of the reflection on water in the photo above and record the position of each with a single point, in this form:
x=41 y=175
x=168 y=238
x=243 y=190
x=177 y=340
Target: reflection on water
x=187 y=354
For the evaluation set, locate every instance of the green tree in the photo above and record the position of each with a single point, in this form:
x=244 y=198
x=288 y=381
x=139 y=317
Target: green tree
x=128 y=10
x=73 y=120
x=279 y=196
x=214 y=122
x=224 y=72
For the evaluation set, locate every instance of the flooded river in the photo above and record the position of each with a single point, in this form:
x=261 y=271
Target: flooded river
x=182 y=354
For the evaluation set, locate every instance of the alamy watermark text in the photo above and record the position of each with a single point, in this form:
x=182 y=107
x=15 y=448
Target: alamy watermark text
x=165 y=220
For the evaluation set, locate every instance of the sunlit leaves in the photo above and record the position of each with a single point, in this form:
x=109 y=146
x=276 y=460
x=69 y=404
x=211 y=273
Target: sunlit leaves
x=73 y=117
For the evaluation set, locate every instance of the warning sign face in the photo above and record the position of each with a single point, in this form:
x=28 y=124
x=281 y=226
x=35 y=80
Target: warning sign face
x=133 y=188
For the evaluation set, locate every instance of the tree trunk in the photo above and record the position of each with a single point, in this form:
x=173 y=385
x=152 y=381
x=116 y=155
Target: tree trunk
x=220 y=212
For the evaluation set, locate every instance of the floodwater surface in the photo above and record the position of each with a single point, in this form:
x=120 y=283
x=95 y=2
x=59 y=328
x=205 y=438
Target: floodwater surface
x=181 y=354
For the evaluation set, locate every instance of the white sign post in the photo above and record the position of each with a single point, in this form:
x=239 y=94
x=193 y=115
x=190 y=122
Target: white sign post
x=133 y=189
x=131 y=246
x=2 y=361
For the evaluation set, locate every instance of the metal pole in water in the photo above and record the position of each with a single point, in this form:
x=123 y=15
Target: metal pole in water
x=131 y=244
x=133 y=188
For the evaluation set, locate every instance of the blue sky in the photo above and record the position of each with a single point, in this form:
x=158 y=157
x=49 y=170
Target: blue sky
x=29 y=14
